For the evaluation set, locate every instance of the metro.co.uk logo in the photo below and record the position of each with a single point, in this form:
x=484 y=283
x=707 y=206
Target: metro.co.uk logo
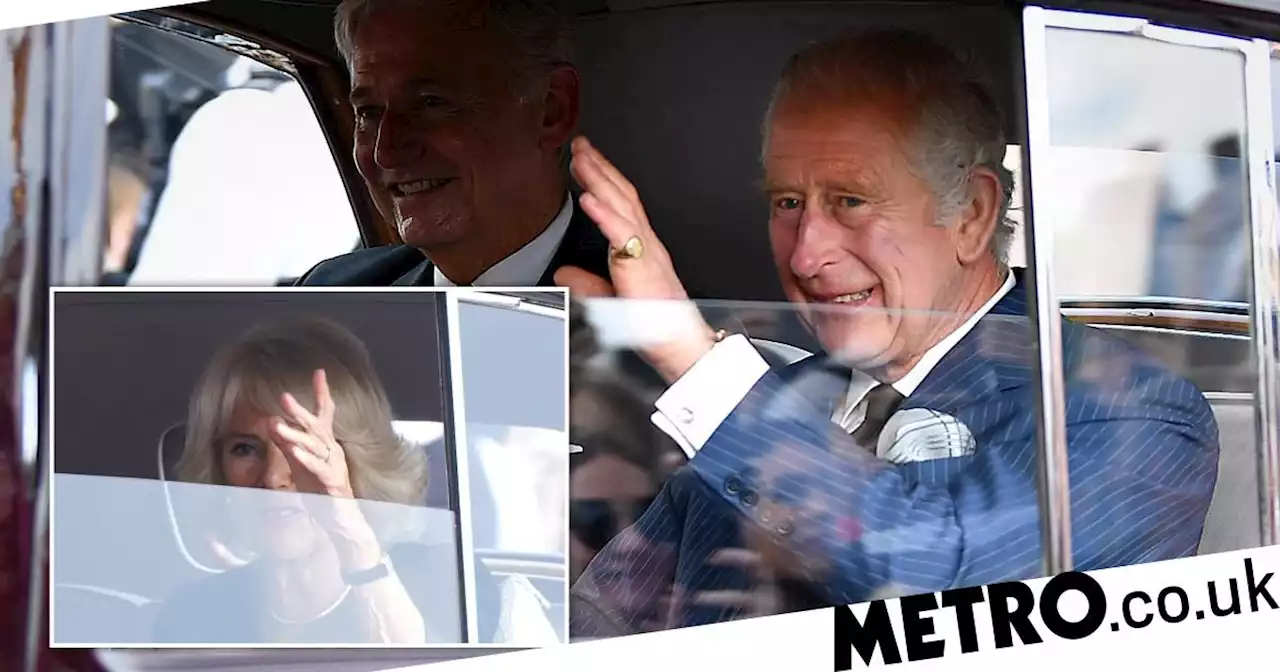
x=1008 y=610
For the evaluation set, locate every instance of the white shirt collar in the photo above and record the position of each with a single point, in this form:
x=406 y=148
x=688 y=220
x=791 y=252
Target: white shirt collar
x=525 y=266
x=862 y=383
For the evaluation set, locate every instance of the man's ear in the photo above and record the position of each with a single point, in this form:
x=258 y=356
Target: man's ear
x=978 y=218
x=560 y=107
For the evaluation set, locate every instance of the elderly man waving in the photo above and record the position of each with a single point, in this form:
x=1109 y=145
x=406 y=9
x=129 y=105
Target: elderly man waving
x=901 y=459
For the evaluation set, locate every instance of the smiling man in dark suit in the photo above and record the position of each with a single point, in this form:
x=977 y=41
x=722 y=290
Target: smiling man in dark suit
x=902 y=458
x=463 y=109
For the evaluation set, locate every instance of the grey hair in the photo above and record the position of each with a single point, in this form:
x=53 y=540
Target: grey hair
x=537 y=31
x=957 y=126
x=255 y=370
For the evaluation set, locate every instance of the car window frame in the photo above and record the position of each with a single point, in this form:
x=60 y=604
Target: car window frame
x=536 y=303
x=1261 y=311
x=41 y=618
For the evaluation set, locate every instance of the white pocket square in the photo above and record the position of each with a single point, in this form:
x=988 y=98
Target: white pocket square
x=919 y=434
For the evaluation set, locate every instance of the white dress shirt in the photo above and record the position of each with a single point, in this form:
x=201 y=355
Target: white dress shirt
x=525 y=266
x=693 y=408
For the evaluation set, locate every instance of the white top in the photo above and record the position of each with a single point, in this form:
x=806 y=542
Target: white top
x=526 y=265
x=693 y=408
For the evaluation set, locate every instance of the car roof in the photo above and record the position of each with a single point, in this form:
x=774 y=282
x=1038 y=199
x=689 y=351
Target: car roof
x=309 y=22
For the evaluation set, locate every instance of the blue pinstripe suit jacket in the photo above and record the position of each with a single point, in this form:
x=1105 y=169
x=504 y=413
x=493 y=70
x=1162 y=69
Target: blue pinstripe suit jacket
x=780 y=478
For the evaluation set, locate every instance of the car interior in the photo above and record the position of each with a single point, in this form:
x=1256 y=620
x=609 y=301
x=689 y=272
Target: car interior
x=130 y=532
x=674 y=100
x=672 y=71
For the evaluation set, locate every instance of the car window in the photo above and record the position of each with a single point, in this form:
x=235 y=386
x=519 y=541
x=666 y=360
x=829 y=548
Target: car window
x=1148 y=162
x=512 y=377
x=150 y=547
x=1142 y=214
x=214 y=151
x=1149 y=183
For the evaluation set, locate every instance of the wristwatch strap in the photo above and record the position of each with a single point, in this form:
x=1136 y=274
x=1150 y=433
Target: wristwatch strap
x=366 y=576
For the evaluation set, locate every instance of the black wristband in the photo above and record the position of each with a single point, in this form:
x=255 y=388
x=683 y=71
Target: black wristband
x=366 y=576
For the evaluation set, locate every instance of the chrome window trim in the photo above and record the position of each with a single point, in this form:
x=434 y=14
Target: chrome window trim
x=1230 y=397
x=1266 y=280
x=1154 y=313
x=1138 y=27
x=1165 y=330
x=1165 y=302
x=512 y=300
x=462 y=467
x=1051 y=444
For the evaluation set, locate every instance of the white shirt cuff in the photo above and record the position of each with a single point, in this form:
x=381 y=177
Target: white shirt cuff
x=693 y=408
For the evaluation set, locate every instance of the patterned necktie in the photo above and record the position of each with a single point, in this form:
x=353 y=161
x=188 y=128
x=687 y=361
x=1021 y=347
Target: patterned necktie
x=881 y=403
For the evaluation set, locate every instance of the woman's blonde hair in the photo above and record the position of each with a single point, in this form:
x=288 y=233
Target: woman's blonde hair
x=258 y=368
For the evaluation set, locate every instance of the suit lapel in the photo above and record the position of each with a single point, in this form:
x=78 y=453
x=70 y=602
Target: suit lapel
x=583 y=246
x=820 y=380
x=422 y=275
x=991 y=359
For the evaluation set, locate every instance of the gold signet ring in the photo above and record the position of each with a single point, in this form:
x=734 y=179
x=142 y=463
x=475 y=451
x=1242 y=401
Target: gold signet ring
x=632 y=249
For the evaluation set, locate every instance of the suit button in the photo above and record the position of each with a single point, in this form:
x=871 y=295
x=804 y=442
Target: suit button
x=749 y=498
x=732 y=485
x=785 y=528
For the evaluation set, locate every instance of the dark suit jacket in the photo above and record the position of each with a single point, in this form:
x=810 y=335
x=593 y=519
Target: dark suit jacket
x=396 y=265
x=1143 y=456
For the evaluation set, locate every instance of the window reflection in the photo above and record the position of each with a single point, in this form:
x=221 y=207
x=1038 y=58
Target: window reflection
x=513 y=377
x=1146 y=156
x=268 y=481
x=1145 y=185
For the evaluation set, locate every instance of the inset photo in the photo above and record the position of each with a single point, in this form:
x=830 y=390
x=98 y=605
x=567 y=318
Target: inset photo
x=292 y=467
